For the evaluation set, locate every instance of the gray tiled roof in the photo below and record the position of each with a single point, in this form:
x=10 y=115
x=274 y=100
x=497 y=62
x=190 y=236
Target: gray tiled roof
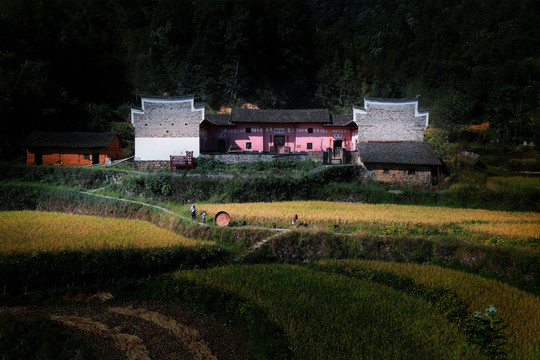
x=411 y=153
x=218 y=119
x=392 y=100
x=167 y=97
x=71 y=140
x=280 y=116
x=342 y=120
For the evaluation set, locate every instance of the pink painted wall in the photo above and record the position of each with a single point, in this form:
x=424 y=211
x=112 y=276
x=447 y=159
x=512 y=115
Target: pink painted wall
x=263 y=136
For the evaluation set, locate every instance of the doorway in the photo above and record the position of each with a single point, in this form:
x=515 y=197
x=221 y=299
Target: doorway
x=279 y=143
x=38 y=160
x=221 y=146
x=95 y=158
x=338 y=148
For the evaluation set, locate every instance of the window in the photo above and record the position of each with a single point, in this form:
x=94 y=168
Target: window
x=248 y=130
x=86 y=156
x=248 y=145
x=411 y=171
x=310 y=130
x=310 y=146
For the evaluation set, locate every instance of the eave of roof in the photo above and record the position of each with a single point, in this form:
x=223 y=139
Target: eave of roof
x=390 y=100
x=342 y=120
x=218 y=119
x=69 y=140
x=280 y=116
x=166 y=97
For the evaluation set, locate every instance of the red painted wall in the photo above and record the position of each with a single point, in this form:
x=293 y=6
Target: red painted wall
x=265 y=137
x=74 y=156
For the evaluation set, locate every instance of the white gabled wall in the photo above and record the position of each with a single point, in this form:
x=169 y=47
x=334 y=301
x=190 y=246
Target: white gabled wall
x=162 y=148
x=165 y=127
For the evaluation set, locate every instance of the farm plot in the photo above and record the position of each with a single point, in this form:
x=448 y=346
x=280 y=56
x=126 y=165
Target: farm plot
x=330 y=316
x=125 y=331
x=520 y=310
x=522 y=225
x=30 y=231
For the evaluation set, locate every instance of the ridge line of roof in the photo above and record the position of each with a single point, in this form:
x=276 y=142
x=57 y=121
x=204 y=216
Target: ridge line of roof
x=394 y=100
x=167 y=97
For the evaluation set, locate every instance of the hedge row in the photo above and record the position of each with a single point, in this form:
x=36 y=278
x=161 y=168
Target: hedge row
x=20 y=272
x=28 y=196
x=515 y=266
x=337 y=183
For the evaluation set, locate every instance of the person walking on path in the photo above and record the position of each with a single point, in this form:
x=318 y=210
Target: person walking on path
x=193 y=212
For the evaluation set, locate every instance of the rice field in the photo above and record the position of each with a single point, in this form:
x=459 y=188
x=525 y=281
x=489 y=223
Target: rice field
x=520 y=310
x=29 y=231
x=529 y=181
x=328 y=316
x=502 y=223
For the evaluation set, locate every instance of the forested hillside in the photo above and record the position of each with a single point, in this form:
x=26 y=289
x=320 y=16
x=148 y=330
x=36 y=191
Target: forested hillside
x=80 y=65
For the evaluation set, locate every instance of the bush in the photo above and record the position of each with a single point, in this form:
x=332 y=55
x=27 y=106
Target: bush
x=42 y=270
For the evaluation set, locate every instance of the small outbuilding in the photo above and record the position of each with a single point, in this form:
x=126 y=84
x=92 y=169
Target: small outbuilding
x=394 y=163
x=77 y=148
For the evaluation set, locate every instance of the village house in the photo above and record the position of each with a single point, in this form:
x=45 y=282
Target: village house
x=391 y=142
x=277 y=131
x=386 y=136
x=77 y=148
x=166 y=126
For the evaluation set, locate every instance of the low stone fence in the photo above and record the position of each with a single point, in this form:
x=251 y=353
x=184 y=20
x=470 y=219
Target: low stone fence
x=245 y=158
x=151 y=164
x=323 y=157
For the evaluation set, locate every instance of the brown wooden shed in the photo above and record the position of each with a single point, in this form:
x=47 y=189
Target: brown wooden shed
x=77 y=148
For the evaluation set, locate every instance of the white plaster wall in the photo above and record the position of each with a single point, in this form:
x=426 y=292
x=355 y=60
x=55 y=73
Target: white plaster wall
x=163 y=148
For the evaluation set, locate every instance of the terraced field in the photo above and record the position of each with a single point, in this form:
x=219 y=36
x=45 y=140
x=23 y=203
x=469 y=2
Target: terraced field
x=332 y=309
x=28 y=231
x=512 y=225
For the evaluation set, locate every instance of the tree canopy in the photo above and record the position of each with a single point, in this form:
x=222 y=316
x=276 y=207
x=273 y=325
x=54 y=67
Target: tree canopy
x=74 y=65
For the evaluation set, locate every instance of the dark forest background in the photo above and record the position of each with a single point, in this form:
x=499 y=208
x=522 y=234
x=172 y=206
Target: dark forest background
x=79 y=65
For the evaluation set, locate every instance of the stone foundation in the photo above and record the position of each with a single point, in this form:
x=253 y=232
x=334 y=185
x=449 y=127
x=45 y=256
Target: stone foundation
x=246 y=158
x=402 y=175
x=151 y=164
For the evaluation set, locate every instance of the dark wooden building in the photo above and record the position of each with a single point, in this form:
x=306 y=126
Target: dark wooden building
x=77 y=148
x=400 y=162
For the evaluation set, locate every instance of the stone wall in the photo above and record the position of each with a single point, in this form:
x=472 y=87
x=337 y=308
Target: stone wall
x=401 y=175
x=246 y=158
x=390 y=121
x=162 y=118
x=151 y=164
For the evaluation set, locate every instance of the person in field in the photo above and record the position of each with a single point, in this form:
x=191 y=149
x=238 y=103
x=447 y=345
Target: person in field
x=294 y=218
x=204 y=217
x=193 y=212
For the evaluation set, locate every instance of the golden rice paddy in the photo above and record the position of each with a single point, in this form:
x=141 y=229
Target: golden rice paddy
x=28 y=231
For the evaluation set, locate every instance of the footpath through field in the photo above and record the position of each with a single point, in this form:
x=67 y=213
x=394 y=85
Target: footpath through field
x=253 y=248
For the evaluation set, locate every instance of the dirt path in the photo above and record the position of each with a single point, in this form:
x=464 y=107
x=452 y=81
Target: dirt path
x=143 y=331
x=253 y=248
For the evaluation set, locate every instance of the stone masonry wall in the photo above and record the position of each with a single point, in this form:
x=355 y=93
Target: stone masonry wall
x=246 y=158
x=174 y=119
x=399 y=175
x=151 y=164
x=395 y=122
